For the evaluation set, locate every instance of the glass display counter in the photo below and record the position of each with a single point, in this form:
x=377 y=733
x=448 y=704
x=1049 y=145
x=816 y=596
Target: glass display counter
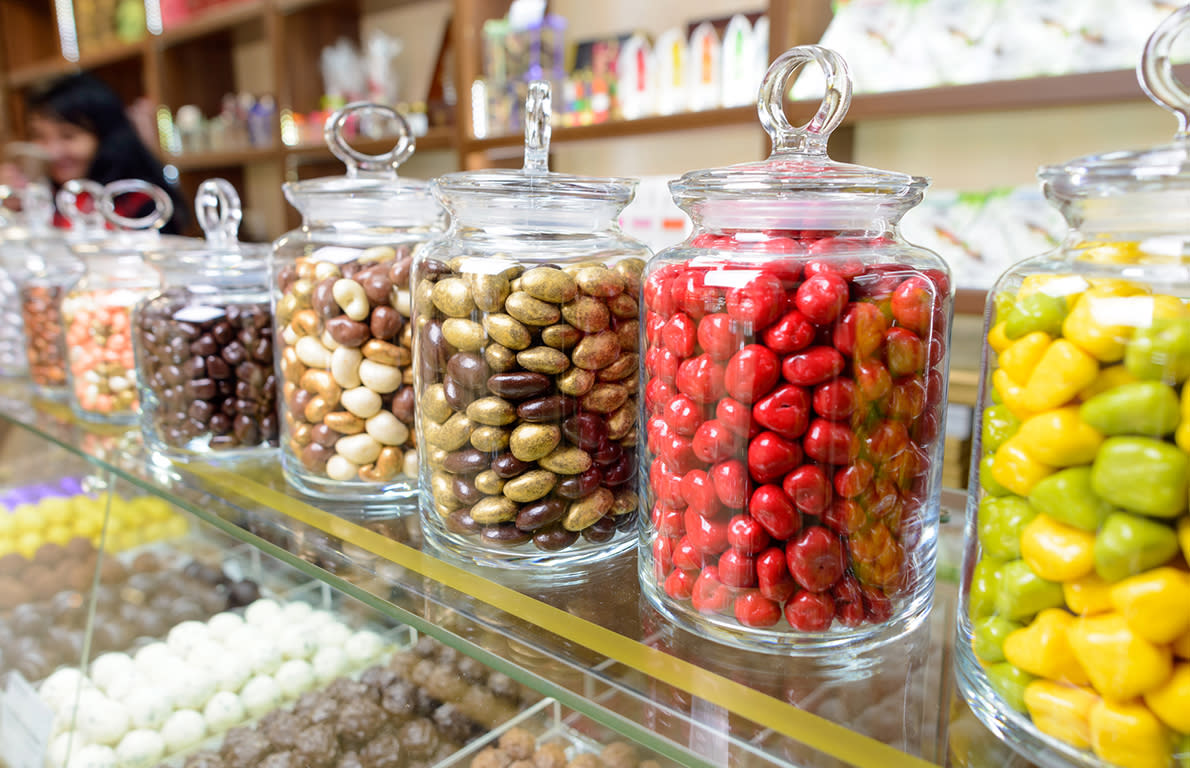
x=585 y=656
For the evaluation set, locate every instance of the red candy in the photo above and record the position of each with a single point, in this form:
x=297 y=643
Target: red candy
x=793 y=398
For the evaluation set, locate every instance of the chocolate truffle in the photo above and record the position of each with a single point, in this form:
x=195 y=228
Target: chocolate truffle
x=245 y=752
x=502 y=685
x=282 y=728
x=446 y=685
x=358 y=722
x=518 y=743
x=345 y=689
x=283 y=760
x=349 y=760
x=146 y=562
x=28 y=619
x=242 y=593
x=112 y=571
x=12 y=564
x=400 y=701
x=383 y=752
x=426 y=646
x=378 y=678
x=452 y=724
x=317 y=747
x=471 y=670
x=12 y=593
x=551 y=755
x=419 y=737
x=204 y=760
x=490 y=757
x=49 y=553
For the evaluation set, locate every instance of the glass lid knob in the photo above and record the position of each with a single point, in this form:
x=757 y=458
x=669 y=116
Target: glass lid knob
x=811 y=138
x=537 y=127
x=217 y=207
x=359 y=163
x=163 y=206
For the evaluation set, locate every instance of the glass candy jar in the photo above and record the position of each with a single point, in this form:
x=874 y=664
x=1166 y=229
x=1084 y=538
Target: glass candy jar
x=795 y=388
x=341 y=307
x=1074 y=620
x=525 y=363
x=17 y=233
x=97 y=311
x=204 y=343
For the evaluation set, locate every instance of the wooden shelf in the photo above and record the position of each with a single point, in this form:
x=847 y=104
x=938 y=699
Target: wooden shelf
x=196 y=161
x=26 y=76
x=970 y=301
x=217 y=19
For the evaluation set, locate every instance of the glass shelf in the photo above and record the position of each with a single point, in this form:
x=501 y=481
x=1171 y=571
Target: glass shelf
x=589 y=640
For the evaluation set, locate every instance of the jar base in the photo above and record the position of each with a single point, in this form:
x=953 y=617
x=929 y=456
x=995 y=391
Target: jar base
x=122 y=419
x=470 y=550
x=401 y=491
x=726 y=631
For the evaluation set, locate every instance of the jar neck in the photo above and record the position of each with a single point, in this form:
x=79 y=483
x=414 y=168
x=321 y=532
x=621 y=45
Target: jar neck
x=1133 y=216
x=824 y=214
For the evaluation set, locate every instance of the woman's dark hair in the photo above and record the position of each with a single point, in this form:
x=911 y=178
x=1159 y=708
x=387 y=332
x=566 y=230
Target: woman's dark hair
x=84 y=100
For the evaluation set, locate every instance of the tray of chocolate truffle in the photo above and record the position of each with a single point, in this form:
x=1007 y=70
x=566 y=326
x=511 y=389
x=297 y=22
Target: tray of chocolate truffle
x=164 y=698
x=548 y=735
x=415 y=710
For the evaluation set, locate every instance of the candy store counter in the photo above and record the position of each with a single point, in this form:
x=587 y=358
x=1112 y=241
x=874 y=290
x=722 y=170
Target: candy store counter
x=586 y=638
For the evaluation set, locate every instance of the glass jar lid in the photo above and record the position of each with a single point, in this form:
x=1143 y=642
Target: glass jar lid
x=219 y=254
x=1155 y=181
x=371 y=190
x=799 y=185
x=126 y=236
x=534 y=194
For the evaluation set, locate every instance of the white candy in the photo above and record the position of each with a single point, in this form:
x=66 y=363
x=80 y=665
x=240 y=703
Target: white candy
x=297 y=611
x=295 y=678
x=107 y=669
x=262 y=612
x=122 y=686
x=93 y=756
x=223 y=711
x=221 y=625
x=333 y=635
x=260 y=695
x=362 y=647
x=207 y=656
x=140 y=749
x=61 y=747
x=232 y=673
x=300 y=644
x=264 y=658
x=319 y=618
x=184 y=637
x=329 y=663
x=148 y=707
x=60 y=689
x=183 y=729
x=189 y=688
x=155 y=657
x=103 y=722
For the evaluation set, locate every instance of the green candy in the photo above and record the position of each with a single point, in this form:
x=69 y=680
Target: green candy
x=1036 y=312
x=1139 y=408
x=989 y=634
x=986 y=481
x=1067 y=497
x=985 y=584
x=1001 y=520
x=1142 y=475
x=1128 y=545
x=1010 y=683
x=1023 y=594
x=1160 y=352
x=998 y=425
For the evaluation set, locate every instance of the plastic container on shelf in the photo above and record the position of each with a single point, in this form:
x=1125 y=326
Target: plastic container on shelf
x=341 y=306
x=525 y=363
x=1074 y=617
x=794 y=396
x=204 y=343
x=97 y=310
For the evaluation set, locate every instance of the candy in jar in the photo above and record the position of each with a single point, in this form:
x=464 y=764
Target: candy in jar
x=526 y=363
x=795 y=386
x=1074 y=616
x=341 y=307
x=97 y=311
x=204 y=343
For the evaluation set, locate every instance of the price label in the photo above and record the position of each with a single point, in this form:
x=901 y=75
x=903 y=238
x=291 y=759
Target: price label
x=25 y=725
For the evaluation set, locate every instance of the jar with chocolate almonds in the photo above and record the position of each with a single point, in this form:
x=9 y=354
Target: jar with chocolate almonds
x=526 y=365
x=204 y=342
x=341 y=306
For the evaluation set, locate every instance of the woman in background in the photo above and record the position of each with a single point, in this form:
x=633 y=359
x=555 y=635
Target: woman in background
x=85 y=132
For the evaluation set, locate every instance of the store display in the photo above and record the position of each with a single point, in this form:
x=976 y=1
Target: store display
x=341 y=306
x=795 y=355
x=525 y=317
x=204 y=343
x=1073 y=624
x=244 y=121
x=17 y=231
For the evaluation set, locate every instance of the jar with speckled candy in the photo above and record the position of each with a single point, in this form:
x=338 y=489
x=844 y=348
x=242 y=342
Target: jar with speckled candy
x=341 y=306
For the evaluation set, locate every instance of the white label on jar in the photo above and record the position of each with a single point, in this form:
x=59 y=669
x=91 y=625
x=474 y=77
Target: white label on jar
x=198 y=313
x=25 y=724
x=731 y=278
x=336 y=254
x=484 y=266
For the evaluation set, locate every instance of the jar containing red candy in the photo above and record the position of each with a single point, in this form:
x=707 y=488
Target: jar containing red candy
x=204 y=343
x=97 y=311
x=795 y=387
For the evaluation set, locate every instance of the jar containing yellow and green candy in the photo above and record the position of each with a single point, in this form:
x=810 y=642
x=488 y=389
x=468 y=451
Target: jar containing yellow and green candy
x=1074 y=627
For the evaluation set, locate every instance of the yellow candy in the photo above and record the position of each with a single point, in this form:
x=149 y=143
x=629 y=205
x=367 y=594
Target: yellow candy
x=1059 y=375
x=1110 y=253
x=1184 y=534
x=1011 y=394
x=1171 y=701
x=1062 y=711
x=1088 y=595
x=28 y=543
x=1090 y=324
x=1069 y=287
x=1060 y=438
x=1057 y=552
x=55 y=511
x=1015 y=469
x=176 y=527
x=26 y=518
x=1042 y=649
x=1129 y=735
x=58 y=534
x=1121 y=664
x=1108 y=378
x=996 y=338
x=7 y=524
x=1021 y=357
x=1156 y=604
x=7 y=544
x=1181 y=646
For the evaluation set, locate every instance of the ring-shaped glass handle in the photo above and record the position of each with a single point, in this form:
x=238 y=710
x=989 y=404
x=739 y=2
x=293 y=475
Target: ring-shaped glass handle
x=1155 y=70
x=218 y=210
x=67 y=201
x=37 y=201
x=812 y=137
x=163 y=207
x=538 y=113
x=356 y=161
